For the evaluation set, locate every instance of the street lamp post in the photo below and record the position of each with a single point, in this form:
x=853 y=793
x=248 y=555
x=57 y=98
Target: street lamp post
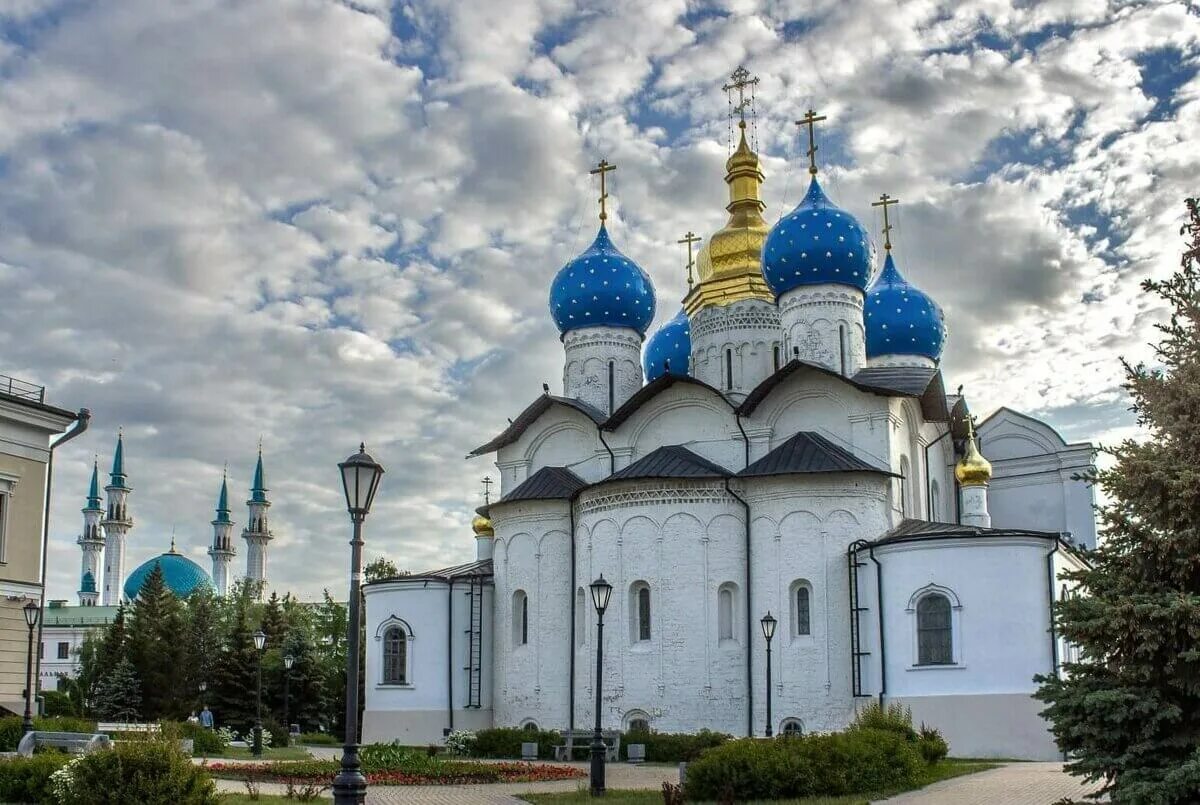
x=287 y=678
x=768 y=629
x=360 y=480
x=601 y=592
x=260 y=642
x=31 y=620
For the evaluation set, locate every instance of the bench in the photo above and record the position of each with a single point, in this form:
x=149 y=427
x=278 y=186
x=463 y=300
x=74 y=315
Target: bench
x=108 y=727
x=582 y=739
x=74 y=742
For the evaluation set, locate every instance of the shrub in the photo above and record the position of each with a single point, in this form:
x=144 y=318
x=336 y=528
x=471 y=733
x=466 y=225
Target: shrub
x=138 y=771
x=57 y=703
x=11 y=731
x=204 y=742
x=279 y=735
x=460 y=743
x=28 y=779
x=894 y=718
x=932 y=745
x=505 y=742
x=856 y=761
x=667 y=747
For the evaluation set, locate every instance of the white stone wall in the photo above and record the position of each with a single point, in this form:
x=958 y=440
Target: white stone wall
x=531 y=555
x=561 y=437
x=735 y=347
x=589 y=352
x=825 y=323
x=419 y=711
x=690 y=415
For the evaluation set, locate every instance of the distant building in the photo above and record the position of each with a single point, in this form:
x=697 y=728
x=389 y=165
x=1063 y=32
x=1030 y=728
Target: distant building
x=65 y=630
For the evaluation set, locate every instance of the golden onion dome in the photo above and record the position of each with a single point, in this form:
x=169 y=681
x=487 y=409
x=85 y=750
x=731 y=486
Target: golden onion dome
x=729 y=266
x=973 y=469
x=482 y=526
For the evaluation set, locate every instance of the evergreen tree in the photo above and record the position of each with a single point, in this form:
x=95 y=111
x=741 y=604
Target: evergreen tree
x=1129 y=710
x=111 y=649
x=118 y=694
x=203 y=644
x=155 y=648
x=233 y=684
x=274 y=622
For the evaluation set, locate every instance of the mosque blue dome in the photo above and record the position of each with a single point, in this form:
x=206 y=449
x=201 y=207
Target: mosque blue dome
x=182 y=575
x=670 y=343
x=900 y=318
x=814 y=244
x=602 y=287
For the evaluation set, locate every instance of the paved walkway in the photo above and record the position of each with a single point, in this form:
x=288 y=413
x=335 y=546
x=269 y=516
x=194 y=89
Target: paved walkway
x=1012 y=784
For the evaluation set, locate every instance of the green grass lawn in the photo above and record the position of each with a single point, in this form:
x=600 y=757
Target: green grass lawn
x=282 y=753
x=942 y=770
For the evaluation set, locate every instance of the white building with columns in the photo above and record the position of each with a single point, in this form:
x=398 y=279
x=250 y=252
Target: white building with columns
x=785 y=445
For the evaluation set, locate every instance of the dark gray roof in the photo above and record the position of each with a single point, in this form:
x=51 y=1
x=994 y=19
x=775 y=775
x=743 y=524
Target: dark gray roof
x=809 y=453
x=649 y=392
x=527 y=417
x=670 y=461
x=480 y=567
x=548 y=483
x=912 y=530
x=908 y=380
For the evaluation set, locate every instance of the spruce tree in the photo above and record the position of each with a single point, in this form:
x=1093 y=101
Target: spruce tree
x=203 y=643
x=232 y=689
x=156 y=649
x=118 y=695
x=1128 y=711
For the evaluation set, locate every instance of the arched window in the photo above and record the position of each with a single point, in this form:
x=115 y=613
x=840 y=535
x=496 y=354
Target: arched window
x=934 y=631
x=793 y=727
x=639 y=609
x=725 y=604
x=775 y=357
x=637 y=721
x=520 y=616
x=801 y=609
x=905 y=482
x=580 y=617
x=729 y=368
x=395 y=656
x=935 y=501
x=530 y=725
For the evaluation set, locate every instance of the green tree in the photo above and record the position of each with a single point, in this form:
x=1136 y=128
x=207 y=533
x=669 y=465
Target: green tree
x=203 y=643
x=1129 y=710
x=232 y=690
x=118 y=694
x=155 y=647
x=382 y=569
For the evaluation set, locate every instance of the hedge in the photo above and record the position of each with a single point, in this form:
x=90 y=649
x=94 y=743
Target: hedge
x=668 y=747
x=28 y=779
x=857 y=761
x=505 y=742
x=11 y=729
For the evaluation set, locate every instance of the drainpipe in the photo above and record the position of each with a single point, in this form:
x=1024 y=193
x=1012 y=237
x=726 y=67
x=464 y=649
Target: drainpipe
x=571 y=634
x=879 y=606
x=450 y=652
x=82 y=420
x=745 y=439
x=612 y=459
x=749 y=629
x=928 y=479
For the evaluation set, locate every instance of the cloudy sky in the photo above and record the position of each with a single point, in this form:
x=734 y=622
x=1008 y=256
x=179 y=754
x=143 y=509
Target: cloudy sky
x=317 y=222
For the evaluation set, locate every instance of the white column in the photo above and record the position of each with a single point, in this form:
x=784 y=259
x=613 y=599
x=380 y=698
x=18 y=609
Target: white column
x=974 y=506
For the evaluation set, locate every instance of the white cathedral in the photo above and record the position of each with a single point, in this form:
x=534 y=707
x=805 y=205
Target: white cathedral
x=784 y=445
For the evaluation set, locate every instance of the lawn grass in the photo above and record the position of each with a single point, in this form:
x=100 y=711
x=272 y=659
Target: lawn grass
x=282 y=753
x=942 y=770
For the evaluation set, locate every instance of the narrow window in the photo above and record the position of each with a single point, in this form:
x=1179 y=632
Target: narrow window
x=934 y=646
x=803 y=611
x=775 y=357
x=644 y=613
x=612 y=393
x=725 y=614
x=520 y=618
x=580 y=616
x=395 y=656
x=904 y=485
x=524 y=620
x=842 y=345
x=728 y=368
x=935 y=501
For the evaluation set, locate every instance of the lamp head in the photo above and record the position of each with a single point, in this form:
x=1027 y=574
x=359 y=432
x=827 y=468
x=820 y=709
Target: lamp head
x=31 y=611
x=260 y=640
x=360 y=479
x=768 y=626
x=288 y=660
x=601 y=592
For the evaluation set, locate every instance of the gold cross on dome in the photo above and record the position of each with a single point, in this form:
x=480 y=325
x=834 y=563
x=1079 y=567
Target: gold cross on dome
x=886 y=201
x=811 y=119
x=689 y=239
x=603 y=168
x=740 y=80
x=487 y=489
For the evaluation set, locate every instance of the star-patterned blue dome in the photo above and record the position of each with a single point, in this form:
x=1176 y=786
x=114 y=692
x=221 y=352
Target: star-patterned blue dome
x=672 y=342
x=900 y=318
x=602 y=287
x=816 y=243
x=181 y=575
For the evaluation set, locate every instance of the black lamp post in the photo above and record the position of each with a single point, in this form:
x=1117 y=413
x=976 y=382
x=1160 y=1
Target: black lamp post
x=360 y=480
x=288 y=659
x=601 y=592
x=260 y=642
x=31 y=620
x=768 y=628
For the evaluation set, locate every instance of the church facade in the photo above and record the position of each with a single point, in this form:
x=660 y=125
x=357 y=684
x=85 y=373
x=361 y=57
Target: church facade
x=784 y=444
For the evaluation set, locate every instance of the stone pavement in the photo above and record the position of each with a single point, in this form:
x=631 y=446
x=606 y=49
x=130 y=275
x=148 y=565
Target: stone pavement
x=1011 y=784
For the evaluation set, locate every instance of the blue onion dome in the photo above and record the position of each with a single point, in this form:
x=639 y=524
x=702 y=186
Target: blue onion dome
x=900 y=318
x=670 y=345
x=814 y=244
x=602 y=287
x=181 y=575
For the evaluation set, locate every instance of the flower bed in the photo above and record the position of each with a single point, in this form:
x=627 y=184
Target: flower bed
x=412 y=771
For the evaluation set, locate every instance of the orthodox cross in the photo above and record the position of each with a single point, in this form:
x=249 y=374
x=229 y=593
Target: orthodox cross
x=811 y=119
x=886 y=201
x=689 y=239
x=603 y=168
x=740 y=81
x=487 y=489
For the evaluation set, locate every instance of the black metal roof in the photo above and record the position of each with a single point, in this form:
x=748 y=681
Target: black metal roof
x=476 y=569
x=808 y=452
x=670 y=461
x=548 y=483
x=911 y=530
x=910 y=381
x=527 y=417
x=649 y=392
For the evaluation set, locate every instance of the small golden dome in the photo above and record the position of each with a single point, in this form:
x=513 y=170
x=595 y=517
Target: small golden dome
x=482 y=526
x=974 y=469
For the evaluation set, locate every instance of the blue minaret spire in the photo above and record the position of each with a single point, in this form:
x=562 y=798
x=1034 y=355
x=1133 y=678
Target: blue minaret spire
x=223 y=501
x=222 y=550
x=93 y=499
x=117 y=476
x=258 y=492
x=257 y=532
x=117 y=524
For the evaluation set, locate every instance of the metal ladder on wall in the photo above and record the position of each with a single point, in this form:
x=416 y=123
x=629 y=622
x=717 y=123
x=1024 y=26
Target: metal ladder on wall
x=474 y=667
x=856 y=652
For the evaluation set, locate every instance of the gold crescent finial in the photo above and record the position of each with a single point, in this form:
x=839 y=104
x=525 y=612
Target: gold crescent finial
x=811 y=119
x=886 y=201
x=603 y=168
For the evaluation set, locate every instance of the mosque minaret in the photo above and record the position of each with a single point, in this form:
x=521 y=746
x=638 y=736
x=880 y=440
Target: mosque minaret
x=91 y=542
x=257 y=532
x=222 y=550
x=117 y=523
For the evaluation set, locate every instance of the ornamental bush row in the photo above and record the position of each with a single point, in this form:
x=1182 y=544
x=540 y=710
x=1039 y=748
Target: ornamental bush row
x=505 y=742
x=11 y=731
